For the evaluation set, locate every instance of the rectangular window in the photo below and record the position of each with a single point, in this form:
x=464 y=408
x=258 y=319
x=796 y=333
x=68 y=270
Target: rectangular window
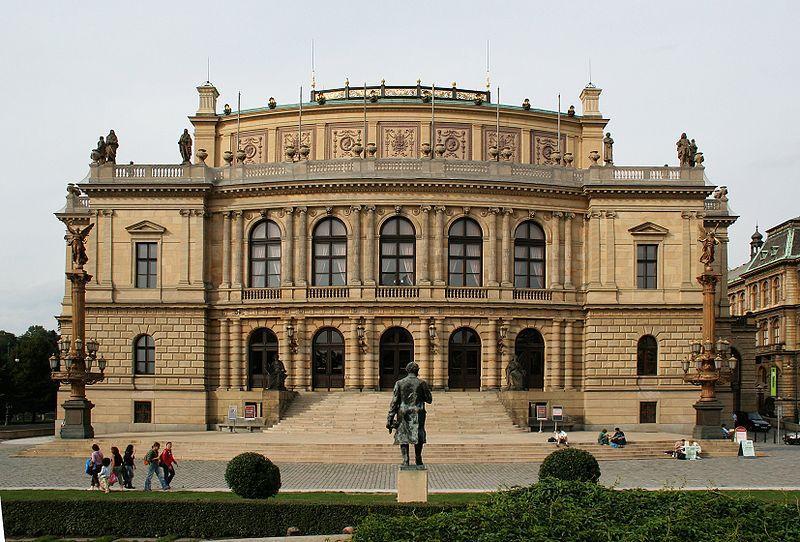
x=142 y=412
x=646 y=266
x=647 y=412
x=146 y=265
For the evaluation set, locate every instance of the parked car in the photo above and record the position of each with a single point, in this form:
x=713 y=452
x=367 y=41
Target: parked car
x=752 y=421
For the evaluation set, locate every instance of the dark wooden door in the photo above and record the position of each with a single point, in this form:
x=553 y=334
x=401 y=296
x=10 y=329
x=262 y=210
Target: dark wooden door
x=397 y=351
x=328 y=362
x=262 y=351
x=464 y=368
x=529 y=349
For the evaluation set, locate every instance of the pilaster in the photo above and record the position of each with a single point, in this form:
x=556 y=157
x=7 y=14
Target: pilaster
x=569 y=378
x=490 y=362
x=438 y=279
x=226 y=250
x=491 y=261
x=555 y=267
x=568 y=284
x=611 y=249
x=301 y=262
x=187 y=245
x=506 y=250
x=425 y=362
x=237 y=361
x=554 y=367
x=369 y=247
x=287 y=264
x=424 y=247
x=224 y=354
x=355 y=219
x=238 y=240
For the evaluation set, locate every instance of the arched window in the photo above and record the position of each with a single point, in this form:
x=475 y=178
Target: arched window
x=754 y=297
x=465 y=241
x=330 y=253
x=397 y=252
x=776 y=331
x=765 y=294
x=265 y=255
x=778 y=291
x=328 y=362
x=529 y=246
x=144 y=354
x=647 y=356
x=261 y=353
x=764 y=333
x=529 y=351
x=396 y=352
x=741 y=303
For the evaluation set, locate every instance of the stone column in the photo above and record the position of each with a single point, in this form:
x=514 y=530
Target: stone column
x=301 y=262
x=369 y=247
x=611 y=250
x=288 y=357
x=226 y=250
x=686 y=252
x=238 y=239
x=424 y=248
x=239 y=374
x=554 y=357
x=106 y=262
x=370 y=365
x=353 y=366
x=506 y=250
x=224 y=354
x=355 y=213
x=555 y=259
x=303 y=359
x=490 y=364
x=491 y=261
x=197 y=273
x=438 y=257
x=593 y=260
x=187 y=245
x=439 y=363
x=287 y=265
x=568 y=284
x=569 y=369
x=424 y=359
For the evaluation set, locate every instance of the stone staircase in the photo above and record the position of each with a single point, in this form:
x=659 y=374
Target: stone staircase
x=349 y=427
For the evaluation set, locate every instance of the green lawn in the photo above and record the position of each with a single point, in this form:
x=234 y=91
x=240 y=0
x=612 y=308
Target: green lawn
x=321 y=497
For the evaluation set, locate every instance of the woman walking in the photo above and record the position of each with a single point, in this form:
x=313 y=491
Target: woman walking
x=129 y=465
x=167 y=463
x=97 y=464
x=151 y=460
x=118 y=469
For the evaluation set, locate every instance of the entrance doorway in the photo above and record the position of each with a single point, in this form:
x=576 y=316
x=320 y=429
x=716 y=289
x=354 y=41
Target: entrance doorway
x=529 y=349
x=464 y=369
x=328 y=365
x=262 y=351
x=397 y=351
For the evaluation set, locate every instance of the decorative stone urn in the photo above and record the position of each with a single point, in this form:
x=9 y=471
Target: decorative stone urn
x=426 y=149
x=372 y=148
x=272 y=103
x=439 y=150
x=228 y=157
x=506 y=153
x=240 y=156
x=594 y=156
x=290 y=152
x=493 y=152
x=201 y=154
x=305 y=150
x=568 y=159
x=699 y=159
x=358 y=148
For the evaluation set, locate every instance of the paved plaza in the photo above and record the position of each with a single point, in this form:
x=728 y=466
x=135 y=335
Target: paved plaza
x=778 y=468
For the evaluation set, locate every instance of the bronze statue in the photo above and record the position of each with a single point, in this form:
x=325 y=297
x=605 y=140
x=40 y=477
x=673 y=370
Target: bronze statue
x=692 y=152
x=608 y=149
x=710 y=242
x=76 y=239
x=683 y=150
x=515 y=375
x=276 y=375
x=185 y=146
x=112 y=144
x=407 y=413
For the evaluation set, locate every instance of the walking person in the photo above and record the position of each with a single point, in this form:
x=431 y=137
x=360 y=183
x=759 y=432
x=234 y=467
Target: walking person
x=117 y=468
x=104 y=476
x=97 y=464
x=129 y=465
x=153 y=467
x=168 y=463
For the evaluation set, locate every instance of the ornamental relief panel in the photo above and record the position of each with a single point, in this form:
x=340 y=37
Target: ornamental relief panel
x=288 y=135
x=341 y=138
x=457 y=139
x=398 y=140
x=543 y=145
x=254 y=146
x=509 y=137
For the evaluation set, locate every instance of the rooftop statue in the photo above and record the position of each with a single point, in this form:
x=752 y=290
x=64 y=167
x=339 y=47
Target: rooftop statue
x=407 y=413
x=684 y=150
x=608 y=149
x=185 y=146
x=112 y=143
x=692 y=152
x=99 y=152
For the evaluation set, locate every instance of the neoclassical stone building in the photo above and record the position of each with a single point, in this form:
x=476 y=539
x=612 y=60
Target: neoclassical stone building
x=360 y=234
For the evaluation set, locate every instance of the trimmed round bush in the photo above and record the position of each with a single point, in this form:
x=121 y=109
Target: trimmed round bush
x=253 y=476
x=570 y=464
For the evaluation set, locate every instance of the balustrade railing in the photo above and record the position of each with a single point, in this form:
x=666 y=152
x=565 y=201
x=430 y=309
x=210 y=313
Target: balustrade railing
x=397 y=292
x=465 y=293
x=261 y=293
x=327 y=292
x=530 y=294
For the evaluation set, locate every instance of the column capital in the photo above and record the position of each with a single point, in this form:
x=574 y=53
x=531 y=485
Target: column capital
x=491 y=211
x=569 y=216
x=185 y=212
x=302 y=210
x=557 y=214
x=610 y=214
x=353 y=209
x=106 y=212
x=508 y=211
x=369 y=208
x=440 y=209
x=424 y=209
x=287 y=211
x=236 y=214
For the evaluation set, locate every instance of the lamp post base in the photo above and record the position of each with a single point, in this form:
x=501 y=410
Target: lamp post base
x=709 y=420
x=77 y=419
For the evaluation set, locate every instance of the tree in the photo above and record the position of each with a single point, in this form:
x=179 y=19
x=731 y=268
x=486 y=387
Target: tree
x=8 y=342
x=29 y=387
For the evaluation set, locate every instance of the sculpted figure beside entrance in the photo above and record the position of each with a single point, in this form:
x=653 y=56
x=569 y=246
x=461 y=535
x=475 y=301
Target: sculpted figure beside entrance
x=407 y=413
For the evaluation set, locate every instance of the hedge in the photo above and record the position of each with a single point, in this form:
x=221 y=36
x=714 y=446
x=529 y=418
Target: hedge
x=190 y=519
x=554 y=510
x=570 y=464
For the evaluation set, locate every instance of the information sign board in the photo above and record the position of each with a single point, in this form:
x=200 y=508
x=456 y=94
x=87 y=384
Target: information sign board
x=249 y=412
x=232 y=412
x=558 y=413
x=541 y=411
x=746 y=449
x=741 y=434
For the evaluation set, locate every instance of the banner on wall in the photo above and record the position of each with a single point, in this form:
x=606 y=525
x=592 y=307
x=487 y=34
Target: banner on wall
x=773 y=381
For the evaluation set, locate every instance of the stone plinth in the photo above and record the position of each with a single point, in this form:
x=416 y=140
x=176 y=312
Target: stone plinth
x=77 y=419
x=709 y=416
x=412 y=484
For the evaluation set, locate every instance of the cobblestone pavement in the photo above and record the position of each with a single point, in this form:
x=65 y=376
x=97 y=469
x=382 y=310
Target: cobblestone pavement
x=778 y=469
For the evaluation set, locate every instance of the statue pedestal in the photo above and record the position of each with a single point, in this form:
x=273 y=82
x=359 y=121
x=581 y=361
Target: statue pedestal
x=412 y=484
x=709 y=420
x=77 y=419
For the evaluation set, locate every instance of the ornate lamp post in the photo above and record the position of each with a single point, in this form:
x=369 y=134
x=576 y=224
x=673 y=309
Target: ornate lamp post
x=77 y=355
x=710 y=362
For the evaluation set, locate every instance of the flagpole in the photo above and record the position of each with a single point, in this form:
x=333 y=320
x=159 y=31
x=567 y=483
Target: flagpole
x=365 y=115
x=300 y=124
x=497 y=126
x=558 y=142
x=238 y=119
x=433 y=118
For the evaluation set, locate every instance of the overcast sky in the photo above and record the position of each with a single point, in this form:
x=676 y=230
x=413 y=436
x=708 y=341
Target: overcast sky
x=725 y=72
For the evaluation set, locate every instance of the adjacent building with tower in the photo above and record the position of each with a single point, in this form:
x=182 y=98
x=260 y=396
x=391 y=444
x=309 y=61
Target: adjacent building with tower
x=378 y=225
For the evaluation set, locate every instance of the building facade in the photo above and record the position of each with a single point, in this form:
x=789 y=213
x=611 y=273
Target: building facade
x=765 y=290
x=356 y=233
